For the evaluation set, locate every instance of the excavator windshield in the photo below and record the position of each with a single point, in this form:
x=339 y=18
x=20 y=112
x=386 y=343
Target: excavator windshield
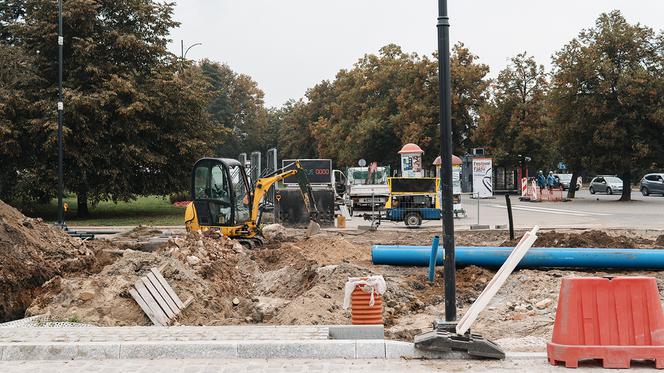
x=220 y=193
x=242 y=195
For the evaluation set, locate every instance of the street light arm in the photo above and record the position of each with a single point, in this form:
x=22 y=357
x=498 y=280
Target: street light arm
x=191 y=46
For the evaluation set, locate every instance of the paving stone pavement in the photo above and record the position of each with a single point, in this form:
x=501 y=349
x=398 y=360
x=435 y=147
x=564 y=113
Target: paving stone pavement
x=155 y=333
x=292 y=366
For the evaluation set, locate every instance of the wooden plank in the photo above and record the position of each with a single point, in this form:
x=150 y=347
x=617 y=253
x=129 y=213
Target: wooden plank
x=188 y=302
x=158 y=298
x=143 y=305
x=167 y=287
x=162 y=292
x=497 y=281
x=160 y=316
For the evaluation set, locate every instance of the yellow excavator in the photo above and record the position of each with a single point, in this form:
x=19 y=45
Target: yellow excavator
x=223 y=201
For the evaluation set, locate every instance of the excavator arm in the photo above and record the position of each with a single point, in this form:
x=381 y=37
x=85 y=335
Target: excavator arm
x=263 y=184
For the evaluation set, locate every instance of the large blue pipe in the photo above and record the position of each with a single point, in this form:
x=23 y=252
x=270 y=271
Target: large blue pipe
x=536 y=257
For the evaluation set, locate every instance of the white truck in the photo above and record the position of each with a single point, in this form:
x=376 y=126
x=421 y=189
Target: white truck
x=367 y=188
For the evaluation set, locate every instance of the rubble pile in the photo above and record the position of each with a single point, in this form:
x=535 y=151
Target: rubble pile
x=31 y=253
x=292 y=279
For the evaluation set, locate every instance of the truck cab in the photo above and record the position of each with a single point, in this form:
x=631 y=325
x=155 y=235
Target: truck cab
x=368 y=187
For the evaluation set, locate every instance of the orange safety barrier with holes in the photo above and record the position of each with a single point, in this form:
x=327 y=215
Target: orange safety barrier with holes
x=616 y=320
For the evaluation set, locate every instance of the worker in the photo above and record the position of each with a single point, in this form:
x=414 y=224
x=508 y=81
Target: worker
x=550 y=181
x=541 y=181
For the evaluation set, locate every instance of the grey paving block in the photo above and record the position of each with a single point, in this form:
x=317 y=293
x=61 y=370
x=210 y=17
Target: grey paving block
x=398 y=350
x=179 y=350
x=314 y=349
x=370 y=349
x=60 y=351
x=356 y=331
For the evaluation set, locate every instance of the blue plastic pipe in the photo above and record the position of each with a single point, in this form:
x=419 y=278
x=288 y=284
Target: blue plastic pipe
x=432 y=258
x=536 y=257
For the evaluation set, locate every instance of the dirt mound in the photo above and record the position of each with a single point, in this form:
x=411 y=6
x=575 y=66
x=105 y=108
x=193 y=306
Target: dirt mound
x=210 y=270
x=587 y=239
x=332 y=249
x=31 y=253
x=660 y=241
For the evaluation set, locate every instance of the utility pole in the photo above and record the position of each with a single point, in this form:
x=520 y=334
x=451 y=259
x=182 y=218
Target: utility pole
x=445 y=105
x=61 y=214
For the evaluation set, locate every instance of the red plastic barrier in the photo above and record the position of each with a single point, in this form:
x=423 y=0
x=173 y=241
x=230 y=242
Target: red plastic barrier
x=616 y=320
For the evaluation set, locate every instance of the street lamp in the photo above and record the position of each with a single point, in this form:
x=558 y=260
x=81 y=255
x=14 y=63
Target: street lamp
x=184 y=52
x=443 y=337
x=61 y=214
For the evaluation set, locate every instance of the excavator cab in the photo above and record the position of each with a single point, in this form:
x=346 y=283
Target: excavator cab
x=221 y=195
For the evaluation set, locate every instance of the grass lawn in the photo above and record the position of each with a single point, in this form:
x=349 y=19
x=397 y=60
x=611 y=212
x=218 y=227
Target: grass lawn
x=144 y=210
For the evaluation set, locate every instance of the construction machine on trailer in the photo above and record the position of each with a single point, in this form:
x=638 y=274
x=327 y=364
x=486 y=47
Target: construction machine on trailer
x=225 y=203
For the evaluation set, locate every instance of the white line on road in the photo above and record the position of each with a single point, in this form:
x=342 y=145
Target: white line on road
x=547 y=210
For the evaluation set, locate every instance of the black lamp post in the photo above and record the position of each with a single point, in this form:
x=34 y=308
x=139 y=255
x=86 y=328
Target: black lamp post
x=445 y=105
x=61 y=213
x=443 y=337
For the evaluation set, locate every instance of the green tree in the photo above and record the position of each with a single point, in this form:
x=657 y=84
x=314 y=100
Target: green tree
x=608 y=94
x=237 y=108
x=133 y=124
x=17 y=151
x=514 y=122
x=469 y=94
x=383 y=102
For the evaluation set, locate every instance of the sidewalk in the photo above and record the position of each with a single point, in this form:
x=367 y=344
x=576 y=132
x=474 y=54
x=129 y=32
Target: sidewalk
x=218 y=342
x=290 y=366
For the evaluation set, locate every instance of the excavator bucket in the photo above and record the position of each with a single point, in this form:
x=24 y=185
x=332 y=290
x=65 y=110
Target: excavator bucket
x=312 y=229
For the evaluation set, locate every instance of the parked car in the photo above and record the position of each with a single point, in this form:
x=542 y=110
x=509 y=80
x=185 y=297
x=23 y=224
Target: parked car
x=606 y=184
x=652 y=184
x=564 y=180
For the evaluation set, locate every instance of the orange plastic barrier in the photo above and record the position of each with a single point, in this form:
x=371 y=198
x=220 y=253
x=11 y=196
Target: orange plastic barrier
x=616 y=320
x=361 y=312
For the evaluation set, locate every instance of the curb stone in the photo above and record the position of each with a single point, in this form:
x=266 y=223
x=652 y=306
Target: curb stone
x=179 y=350
x=257 y=349
x=297 y=349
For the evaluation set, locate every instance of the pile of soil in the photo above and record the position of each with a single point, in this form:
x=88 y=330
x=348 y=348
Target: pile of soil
x=207 y=269
x=31 y=253
x=587 y=239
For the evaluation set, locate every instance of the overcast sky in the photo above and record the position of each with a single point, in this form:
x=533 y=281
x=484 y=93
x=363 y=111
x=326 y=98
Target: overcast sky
x=288 y=46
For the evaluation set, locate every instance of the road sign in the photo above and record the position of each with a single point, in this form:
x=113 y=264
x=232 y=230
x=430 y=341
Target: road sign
x=362 y=162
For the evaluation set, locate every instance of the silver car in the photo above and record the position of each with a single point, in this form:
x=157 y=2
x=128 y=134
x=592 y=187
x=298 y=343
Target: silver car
x=652 y=184
x=565 y=180
x=606 y=184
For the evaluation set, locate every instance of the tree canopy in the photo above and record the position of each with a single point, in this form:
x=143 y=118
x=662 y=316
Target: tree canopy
x=383 y=102
x=513 y=123
x=133 y=122
x=607 y=97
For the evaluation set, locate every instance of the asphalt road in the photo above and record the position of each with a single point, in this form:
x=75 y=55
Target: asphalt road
x=585 y=211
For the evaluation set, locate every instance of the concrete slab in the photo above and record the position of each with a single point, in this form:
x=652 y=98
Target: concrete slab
x=61 y=351
x=179 y=350
x=314 y=349
x=407 y=350
x=356 y=331
x=370 y=349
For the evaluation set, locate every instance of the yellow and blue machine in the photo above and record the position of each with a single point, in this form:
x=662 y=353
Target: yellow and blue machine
x=413 y=200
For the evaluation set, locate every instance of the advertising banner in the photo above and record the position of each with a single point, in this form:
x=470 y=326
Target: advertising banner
x=456 y=179
x=482 y=177
x=411 y=165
